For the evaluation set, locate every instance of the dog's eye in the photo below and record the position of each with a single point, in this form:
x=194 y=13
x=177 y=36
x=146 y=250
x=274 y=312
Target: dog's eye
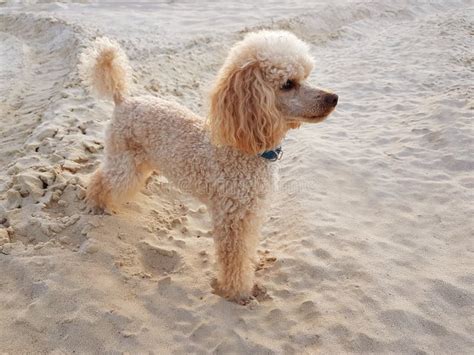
x=288 y=85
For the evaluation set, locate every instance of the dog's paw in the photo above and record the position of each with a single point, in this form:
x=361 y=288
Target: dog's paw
x=257 y=294
x=230 y=295
x=96 y=210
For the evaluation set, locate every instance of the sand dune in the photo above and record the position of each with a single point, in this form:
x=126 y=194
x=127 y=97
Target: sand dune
x=368 y=245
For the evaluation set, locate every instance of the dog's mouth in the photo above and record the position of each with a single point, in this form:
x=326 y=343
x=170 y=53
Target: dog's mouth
x=314 y=118
x=318 y=118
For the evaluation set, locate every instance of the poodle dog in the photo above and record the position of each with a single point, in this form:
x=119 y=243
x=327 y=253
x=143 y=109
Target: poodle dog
x=226 y=161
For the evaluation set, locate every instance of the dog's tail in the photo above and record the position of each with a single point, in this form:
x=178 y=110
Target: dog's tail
x=105 y=68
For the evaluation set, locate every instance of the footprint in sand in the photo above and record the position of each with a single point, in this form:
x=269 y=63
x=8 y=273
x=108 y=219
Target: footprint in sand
x=265 y=260
x=156 y=259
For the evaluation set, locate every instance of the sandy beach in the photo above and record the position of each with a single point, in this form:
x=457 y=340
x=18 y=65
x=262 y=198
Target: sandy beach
x=368 y=246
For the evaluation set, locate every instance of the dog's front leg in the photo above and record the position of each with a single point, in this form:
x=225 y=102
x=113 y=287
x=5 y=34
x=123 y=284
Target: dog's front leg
x=235 y=236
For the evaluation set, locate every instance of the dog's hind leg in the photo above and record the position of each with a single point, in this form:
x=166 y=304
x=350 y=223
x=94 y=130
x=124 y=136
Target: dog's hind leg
x=115 y=183
x=121 y=176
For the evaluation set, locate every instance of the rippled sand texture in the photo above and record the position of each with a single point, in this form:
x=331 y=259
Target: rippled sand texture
x=368 y=246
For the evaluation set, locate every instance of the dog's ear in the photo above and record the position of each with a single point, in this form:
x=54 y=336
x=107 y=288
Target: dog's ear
x=243 y=112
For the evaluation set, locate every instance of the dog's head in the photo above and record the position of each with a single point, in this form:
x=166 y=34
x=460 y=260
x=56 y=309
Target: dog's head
x=260 y=92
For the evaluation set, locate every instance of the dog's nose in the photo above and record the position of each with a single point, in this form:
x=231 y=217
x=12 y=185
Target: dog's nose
x=331 y=99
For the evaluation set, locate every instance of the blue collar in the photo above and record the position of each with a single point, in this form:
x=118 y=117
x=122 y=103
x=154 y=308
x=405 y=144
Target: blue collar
x=272 y=155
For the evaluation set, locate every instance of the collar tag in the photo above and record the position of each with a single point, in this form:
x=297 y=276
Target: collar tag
x=272 y=155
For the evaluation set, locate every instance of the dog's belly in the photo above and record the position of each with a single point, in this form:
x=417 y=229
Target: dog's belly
x=189 y=178
x=210 y=173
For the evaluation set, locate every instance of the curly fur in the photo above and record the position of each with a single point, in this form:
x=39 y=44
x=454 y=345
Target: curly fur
x=240 y=99
x=150 y=134
x=104 y=68
x=243 y=112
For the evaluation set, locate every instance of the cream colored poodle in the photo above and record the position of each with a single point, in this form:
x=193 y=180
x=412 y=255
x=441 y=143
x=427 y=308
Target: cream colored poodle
x=227 y=162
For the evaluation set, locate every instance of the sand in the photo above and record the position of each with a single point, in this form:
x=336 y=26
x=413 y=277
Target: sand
x=368 y=245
